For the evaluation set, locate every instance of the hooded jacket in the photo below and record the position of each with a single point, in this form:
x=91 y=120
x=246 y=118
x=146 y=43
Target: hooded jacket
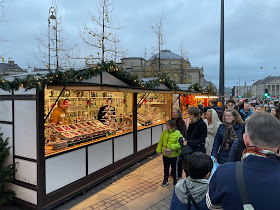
x=198 y=189
x=169 y=139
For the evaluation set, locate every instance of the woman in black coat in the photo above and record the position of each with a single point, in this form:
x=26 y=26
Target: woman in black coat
x=197 y=131
x=227 y=133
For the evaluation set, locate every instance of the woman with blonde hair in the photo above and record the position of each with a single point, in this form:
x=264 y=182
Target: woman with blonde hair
x=231 y=129
x=213 y=122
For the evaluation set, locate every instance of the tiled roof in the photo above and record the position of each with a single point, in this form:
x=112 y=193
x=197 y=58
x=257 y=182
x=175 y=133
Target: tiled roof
x=7 y=67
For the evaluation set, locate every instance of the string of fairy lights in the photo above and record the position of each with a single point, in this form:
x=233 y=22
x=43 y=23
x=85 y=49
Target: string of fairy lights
x=73 y=76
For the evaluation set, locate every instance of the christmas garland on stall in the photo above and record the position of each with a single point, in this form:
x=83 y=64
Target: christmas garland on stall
x=195 y=87
x=164 y=79
x=72 y=76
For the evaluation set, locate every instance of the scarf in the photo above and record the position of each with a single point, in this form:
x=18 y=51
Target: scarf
x=229 y=135
x=198 y=188
x=260 y=152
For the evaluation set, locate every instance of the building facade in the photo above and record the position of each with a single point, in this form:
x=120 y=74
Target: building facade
x=164 y=63
x=10 y=68
x=257 y=90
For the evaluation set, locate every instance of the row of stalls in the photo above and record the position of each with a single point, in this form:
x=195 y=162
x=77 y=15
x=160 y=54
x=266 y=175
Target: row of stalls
x=107 y=127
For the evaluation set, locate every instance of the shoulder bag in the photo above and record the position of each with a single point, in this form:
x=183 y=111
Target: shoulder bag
x=247 y=205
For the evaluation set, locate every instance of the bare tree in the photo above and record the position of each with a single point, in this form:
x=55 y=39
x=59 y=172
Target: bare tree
x=3 y=21
x=101 y=36
x=158 y=28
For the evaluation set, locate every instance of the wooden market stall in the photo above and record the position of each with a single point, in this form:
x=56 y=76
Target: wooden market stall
x=56 y=161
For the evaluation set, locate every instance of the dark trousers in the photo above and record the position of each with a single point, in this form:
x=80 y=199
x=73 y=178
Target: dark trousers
x=180 y=169
x=167 y=162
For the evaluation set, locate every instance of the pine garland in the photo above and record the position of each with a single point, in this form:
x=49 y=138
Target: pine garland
x=195 y=87
x=6 y=173
x=72 y=76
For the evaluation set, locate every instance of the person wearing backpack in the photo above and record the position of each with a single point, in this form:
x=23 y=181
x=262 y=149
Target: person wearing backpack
x=254 y=182
x=190 y=193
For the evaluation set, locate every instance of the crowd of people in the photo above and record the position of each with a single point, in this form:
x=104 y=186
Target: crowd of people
x=243 y=139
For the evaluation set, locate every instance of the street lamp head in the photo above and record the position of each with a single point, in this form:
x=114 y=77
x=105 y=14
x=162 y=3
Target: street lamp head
x=52 y=16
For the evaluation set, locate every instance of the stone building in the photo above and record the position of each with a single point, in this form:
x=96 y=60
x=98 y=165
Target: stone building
x=10 y=68
x=257 y=90
x=170 y=63
x=271 y=83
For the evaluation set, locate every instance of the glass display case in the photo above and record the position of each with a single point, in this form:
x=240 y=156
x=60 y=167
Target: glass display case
x=82 y=116
x=153 y=109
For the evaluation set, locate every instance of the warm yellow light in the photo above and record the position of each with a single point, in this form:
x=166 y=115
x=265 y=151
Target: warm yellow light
x=201 y=96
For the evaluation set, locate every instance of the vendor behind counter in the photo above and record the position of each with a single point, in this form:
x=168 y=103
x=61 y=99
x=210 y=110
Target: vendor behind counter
x=60 y=114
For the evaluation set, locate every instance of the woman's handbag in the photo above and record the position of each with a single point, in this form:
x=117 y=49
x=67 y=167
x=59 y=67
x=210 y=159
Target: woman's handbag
x=167 y=152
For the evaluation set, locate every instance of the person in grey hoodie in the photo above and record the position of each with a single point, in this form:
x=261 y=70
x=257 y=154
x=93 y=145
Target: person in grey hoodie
x=190 y=193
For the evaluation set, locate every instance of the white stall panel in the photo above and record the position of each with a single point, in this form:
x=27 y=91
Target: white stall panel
x=143 y=139
x=3 y=92
x=22 y=91
x=65 y=169
x=156 y=134
x=7 y=131
x=6 y=111
x=24 y=193
x=164 y=126
x=100 y=156
x=123 y=147
x=25 y=129
x=26 y=171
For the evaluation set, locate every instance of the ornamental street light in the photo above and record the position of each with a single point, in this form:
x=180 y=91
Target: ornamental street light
x=52 y=15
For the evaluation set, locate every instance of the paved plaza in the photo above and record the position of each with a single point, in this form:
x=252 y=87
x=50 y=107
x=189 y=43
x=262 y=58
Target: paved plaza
x=137 y=187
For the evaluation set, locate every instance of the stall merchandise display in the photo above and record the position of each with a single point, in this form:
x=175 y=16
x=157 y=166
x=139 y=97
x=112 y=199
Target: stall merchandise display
x=84 y=108
x=154 y=109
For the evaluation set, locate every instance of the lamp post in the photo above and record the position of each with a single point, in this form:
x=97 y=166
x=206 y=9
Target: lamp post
x=222 y=64
x=52 y=15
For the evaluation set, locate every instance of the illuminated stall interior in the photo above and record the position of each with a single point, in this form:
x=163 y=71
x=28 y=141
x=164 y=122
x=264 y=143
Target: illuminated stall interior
x=90 y=116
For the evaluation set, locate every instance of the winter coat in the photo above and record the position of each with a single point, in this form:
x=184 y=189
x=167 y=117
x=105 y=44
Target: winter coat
x=236 y=149
x=169 y=139
x=245 y=115
x=196 y=135
x=181 y=126
x=209 y=141
x=261 y=177
x=218 y=151
x=198 y=189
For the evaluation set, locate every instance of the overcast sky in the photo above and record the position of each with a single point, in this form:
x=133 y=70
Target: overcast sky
x=252 y=32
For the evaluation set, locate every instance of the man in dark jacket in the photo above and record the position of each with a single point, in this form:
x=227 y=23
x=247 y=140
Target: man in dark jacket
x=246 y=112
x=213 y=105
x=261 y=166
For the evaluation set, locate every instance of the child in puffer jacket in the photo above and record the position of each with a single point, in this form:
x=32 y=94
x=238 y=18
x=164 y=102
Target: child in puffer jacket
x=169 y=146
x=199 y=166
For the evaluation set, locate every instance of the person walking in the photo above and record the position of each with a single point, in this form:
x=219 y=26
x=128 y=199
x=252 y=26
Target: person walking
x=213 y=122
x=257 y=173
x=230 y=129
x=169 y=146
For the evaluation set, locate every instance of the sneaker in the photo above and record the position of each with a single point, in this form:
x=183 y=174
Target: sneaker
x=164 y=183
